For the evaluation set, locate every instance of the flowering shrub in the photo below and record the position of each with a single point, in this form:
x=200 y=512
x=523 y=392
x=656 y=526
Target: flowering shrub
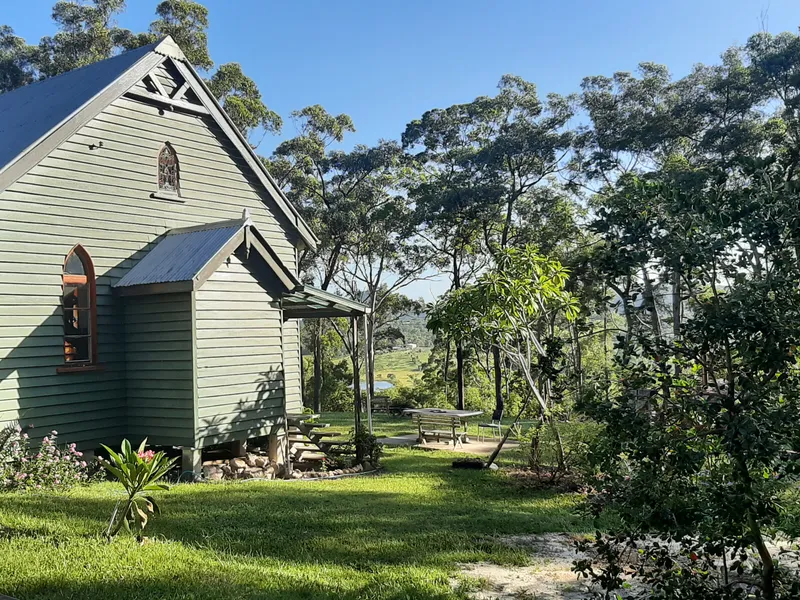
x=49 y=466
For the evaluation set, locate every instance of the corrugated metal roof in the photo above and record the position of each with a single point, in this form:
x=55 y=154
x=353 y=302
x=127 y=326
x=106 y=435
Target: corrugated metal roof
x=30 y=112
x=180 y=256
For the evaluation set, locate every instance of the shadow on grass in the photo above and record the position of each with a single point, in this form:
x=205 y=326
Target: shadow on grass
x=419 y=517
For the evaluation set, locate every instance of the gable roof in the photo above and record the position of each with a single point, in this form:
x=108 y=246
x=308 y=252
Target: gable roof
x=187 y=257
x=36 y=119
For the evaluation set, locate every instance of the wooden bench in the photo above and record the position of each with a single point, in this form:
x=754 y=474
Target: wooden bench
x=381 y=404
x=439 y=426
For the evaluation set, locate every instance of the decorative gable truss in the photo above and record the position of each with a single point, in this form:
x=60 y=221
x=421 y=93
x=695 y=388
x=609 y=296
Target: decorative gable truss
x=47 y=113
x=167 y=87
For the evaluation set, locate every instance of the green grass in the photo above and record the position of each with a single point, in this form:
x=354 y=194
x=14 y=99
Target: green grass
x=383 y=425
x=403 y=365
x=396 y=536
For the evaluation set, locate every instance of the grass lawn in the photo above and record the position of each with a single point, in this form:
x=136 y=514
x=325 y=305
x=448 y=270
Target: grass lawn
x=396 y=536
x=382 y=424
x=403 y=365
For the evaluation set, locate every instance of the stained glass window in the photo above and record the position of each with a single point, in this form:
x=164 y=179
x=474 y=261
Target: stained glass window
x=79 y=308
x=168 y=171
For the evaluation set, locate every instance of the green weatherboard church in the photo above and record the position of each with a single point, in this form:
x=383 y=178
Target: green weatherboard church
x=148 y=263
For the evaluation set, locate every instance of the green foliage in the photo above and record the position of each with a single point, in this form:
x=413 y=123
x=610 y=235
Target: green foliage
x=508 y=308
x=139 y=472
x=85 y=36
x=241 y=99
x=366 y=446
x=541 y=448
x=187 y=23
x=337 y=385
x=635 y=568
x=16 y=60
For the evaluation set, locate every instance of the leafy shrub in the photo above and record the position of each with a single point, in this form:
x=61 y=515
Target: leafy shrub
x=23 y=467
x=337 y=390
x=421 y=394
x=361 y=446
x=367 y=446
x=636 y=568
x=540 y=446
x=138 y=471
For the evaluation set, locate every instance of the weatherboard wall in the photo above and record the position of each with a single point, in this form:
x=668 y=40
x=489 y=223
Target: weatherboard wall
x=240 y=373
x=95 y=189
x=159 y=369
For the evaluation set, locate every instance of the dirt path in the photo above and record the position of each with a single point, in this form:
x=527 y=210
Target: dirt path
x=548 y=577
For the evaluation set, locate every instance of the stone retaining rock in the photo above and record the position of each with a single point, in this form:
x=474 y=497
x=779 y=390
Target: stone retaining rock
x=260 y=467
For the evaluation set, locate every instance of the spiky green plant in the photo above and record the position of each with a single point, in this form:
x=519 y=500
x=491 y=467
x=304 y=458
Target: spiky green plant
x=139 y=472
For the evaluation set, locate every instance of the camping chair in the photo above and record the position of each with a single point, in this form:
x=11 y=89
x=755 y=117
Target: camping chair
x=495 y=427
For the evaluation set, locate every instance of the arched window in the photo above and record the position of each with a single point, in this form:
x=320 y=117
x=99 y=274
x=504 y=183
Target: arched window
x=168 y=171
x=79 y=303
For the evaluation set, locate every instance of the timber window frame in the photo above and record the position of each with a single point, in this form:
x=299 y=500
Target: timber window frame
x=168 y=174
x=79 y=311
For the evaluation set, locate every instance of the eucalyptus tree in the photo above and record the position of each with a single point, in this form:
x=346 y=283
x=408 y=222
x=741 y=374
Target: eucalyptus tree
x=85 y=35
x=16 y=60
x=446 y=190
x=347 y=198
x=487 y=157
x=387 y=255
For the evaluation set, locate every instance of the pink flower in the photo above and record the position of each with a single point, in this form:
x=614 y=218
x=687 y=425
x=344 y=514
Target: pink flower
x=54 y=432
x=147 y=455
x=79 y=454
x=83 y=465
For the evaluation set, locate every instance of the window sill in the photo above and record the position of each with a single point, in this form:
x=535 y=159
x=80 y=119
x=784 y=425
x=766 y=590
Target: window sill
x=80 y=368
x=167 y=196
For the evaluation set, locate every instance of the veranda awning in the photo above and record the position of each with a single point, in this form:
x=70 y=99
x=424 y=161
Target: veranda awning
x=307 y=302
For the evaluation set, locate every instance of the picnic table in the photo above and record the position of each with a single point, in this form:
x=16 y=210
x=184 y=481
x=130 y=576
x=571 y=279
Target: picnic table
x=461 y=415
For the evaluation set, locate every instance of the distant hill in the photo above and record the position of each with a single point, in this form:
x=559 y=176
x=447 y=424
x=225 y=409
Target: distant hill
x=414 y=330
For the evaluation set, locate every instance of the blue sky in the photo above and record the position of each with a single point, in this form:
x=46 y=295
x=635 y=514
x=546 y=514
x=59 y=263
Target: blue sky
x=385 y=63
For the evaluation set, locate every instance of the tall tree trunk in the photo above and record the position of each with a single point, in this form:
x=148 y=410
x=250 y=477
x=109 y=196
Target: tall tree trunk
x=677 y=304
x=459 y=348
x=577 y=353
x=356 y=374
x=499 y=404
x=627 y=310
x=460 y=375
x=369 y=354
x=318 y=365
x=650 y=303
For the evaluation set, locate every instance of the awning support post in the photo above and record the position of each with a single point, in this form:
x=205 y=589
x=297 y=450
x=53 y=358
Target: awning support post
x=356 y=375
x=368 y=369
